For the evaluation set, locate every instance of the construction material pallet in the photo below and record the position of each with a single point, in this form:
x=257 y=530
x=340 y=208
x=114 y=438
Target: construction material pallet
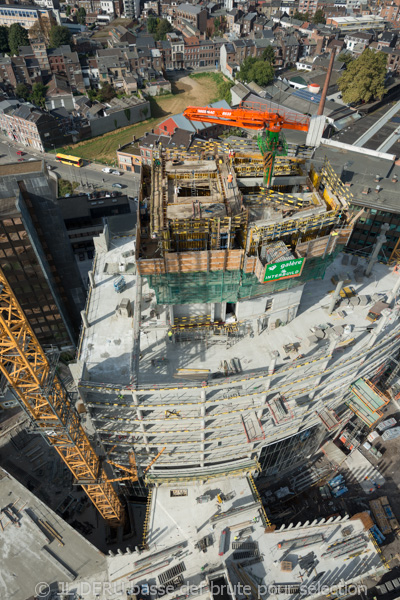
x=244 y=555
x=171 y=573
x=244 y=545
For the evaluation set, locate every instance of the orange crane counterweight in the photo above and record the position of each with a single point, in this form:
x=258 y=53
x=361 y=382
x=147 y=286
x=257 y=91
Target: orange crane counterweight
x=254 y=117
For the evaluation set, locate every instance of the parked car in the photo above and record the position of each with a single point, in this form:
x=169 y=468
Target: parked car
x=106 y=170
x=20 y=153
x=116 y=173
x=115 y=194
x=21 y=160
x=117 y=185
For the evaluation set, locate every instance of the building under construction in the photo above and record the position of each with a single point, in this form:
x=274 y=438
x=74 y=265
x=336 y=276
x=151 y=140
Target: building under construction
x=226 y=330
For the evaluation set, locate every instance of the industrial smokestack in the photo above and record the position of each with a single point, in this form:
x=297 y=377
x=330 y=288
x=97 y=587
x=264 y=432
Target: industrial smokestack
x=326 y=84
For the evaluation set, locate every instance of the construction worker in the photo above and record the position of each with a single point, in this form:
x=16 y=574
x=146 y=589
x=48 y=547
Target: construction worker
x=230 y=181
x=170 y=335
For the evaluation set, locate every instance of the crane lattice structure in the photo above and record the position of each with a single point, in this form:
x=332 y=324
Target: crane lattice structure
x=32 y=376
x=254 y=116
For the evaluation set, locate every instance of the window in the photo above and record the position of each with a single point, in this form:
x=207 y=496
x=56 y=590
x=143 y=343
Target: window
x=269 y=304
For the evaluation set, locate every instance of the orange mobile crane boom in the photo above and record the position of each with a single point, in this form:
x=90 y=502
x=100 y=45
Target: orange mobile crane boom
x=252 y=117
x=32 y=376
x=248 y=118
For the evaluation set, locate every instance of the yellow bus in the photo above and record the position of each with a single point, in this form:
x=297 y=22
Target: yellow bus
x=69 y=160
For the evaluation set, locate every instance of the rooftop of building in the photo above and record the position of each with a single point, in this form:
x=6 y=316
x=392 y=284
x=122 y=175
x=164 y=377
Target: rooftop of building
x=190 y=8
x=18 y=168
x=48 y=550
x=378 y=130
x=182 y=516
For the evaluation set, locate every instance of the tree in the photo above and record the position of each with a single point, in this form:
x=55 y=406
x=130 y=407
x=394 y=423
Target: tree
x=224 y=91
x=301 y=16
x=38 y=96
x=319 y=17
x=345 y=57
x=257 y=70
x=17 y=37
x=68 y=10
x=22 y=91
x=106 y=93
x=163 y=27
x=4 y=46
x=152 y=23
x=81 y=16
x=269 y=55
x=59 y=35
x=364 y=78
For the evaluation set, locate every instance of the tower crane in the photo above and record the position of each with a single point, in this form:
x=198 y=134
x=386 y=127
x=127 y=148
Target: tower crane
x=271 y=144
x=31 y=375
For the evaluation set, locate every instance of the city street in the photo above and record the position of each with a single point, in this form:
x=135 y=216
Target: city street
x=90 y=177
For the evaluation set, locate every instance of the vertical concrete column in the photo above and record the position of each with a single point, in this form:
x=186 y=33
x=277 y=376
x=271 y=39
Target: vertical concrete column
x=203 y=396
x=171 y=315
x=324 y=366
x=91 y=279
x=261 y=410
x=272 y=364
x=271 y=368
x=381 y=239
x=380 y=327
x=140 y=417
x=85 y=319
x=335 y=297
x=392 y=295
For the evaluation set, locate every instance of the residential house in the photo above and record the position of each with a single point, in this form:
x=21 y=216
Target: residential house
x=59 y=94
x=362 y=37
x=387 y=39
x=289 y=50
x=248 y=21
x=64 y=62
x=393 y=60
x=120 y=34
x=141 y=152
x=390 y=11
x=199 y=53
x=130 y=84
x=31 y=127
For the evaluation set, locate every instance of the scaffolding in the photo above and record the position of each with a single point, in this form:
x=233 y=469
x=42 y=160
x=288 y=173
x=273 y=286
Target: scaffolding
x=366 y=401
x=229 y=286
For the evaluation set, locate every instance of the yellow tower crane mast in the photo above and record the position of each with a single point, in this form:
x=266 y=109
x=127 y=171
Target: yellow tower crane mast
x=32 y=376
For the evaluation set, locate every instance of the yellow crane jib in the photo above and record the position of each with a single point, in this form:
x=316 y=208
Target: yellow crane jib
x=32 y=377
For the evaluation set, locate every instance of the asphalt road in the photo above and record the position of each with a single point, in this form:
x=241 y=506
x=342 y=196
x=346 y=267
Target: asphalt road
x=90 y=177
